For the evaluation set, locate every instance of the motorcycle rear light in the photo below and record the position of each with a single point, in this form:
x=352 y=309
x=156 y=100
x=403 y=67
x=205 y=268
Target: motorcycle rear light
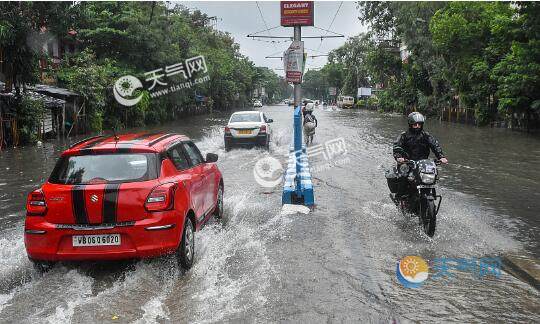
x=161 y=198
x=262 y=129
x=227 y=130
x=36 y=205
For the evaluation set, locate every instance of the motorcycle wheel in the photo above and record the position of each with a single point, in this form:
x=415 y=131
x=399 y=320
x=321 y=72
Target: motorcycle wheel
x=429 y=218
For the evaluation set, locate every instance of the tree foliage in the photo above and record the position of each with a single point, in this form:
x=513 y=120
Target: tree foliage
x=129 y=38
x=477 y=55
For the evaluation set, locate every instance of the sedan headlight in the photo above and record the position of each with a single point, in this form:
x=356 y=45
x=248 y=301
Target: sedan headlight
x=428 y=178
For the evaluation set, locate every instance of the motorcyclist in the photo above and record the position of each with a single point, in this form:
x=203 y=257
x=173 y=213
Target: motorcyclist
x=416 y=142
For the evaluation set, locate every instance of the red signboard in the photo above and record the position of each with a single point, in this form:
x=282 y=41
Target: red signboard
x=294 y=76
x=296 y=13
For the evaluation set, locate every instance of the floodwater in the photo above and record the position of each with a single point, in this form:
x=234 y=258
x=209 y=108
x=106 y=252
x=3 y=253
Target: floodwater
x=336 y=264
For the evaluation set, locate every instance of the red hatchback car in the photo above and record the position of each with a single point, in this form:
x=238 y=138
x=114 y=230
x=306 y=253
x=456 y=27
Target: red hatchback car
x=123 y=197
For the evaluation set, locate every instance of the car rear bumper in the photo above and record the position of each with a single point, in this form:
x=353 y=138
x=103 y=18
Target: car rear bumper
x=260 y=139
x=140 y=239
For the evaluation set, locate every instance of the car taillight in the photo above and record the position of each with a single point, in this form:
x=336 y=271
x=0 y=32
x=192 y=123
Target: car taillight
x=227 y=130
x=161 y=198
x=35 y=205
x=263 y=129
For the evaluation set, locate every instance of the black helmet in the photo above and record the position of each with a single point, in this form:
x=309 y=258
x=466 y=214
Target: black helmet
x=416 y=117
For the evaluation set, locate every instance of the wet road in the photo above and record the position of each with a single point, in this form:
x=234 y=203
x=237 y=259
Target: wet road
x=336 y=264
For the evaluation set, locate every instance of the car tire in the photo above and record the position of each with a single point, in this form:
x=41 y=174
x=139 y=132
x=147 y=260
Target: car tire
x=42 y=266
x=186 y=249
x=267 y=145
x=218 y=211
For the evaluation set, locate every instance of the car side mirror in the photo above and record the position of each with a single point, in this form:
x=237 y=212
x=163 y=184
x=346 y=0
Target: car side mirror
x=270 y=120
x=211 y=158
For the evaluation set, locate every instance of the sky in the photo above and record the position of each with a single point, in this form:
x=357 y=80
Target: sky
x=241 y=18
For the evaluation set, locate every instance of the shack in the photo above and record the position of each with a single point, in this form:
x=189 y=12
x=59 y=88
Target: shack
x=62 y=116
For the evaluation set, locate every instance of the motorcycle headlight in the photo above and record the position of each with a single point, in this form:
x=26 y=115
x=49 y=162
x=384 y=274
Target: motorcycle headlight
x=428 y=178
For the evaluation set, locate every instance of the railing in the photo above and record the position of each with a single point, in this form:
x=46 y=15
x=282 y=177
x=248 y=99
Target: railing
x=458 y=115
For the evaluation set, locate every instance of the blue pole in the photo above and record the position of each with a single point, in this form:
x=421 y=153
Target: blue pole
x=298 y=143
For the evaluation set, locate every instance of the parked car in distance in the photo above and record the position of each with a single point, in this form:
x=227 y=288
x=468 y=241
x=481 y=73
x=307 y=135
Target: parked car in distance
x=257 y=104
x=248 y=128
x=130 y=196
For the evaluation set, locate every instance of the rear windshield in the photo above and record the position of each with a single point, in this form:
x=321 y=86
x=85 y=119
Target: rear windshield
x=104 y=168
x=245 y=118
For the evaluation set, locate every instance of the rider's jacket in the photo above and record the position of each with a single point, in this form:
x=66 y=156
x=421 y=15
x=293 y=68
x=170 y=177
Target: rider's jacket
x=417 y=146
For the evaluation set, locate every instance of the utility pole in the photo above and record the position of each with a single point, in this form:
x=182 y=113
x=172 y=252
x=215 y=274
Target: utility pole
x=298 y=187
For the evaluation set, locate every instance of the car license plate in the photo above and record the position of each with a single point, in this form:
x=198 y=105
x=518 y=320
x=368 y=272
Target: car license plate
x=96 y=240
x=244 y=131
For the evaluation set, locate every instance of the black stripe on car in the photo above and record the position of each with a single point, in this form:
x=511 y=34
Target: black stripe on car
x=145 y=136
x=78 y=204
x=110 y=200
x=85 y=140
x=94 y=143
x=159 y=139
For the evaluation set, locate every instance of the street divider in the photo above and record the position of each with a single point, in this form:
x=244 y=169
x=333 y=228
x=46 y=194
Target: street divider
x=298 y=187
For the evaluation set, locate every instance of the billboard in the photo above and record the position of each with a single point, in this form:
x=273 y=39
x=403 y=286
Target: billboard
x=296 y=13
x=293 y=62
x=364 y=92
x=332 y=91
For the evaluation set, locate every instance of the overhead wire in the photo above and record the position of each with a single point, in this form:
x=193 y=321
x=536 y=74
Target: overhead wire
x=333 y=19
x=265 y=24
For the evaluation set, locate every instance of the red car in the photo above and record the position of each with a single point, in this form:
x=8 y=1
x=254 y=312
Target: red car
x=123 y=197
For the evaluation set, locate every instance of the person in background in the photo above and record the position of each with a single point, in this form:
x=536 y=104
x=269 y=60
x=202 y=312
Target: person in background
x=310 y=123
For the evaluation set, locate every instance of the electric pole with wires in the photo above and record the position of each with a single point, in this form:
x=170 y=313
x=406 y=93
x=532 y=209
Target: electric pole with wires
x=298 y=187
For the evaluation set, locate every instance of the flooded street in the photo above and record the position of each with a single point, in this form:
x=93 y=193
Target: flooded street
x=336 y=264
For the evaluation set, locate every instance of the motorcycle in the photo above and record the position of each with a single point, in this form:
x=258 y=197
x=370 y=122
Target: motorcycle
x=412 y=189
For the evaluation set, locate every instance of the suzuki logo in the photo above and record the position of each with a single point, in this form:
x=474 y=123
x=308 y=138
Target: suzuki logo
x=94 y=198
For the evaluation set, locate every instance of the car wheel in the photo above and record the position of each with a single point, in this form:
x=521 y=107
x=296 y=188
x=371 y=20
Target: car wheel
x=218 y=211
x=42 y=266
x=186 y=250
x=267 y=145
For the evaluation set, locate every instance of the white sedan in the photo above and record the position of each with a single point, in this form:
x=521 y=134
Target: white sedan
x=248 y=128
